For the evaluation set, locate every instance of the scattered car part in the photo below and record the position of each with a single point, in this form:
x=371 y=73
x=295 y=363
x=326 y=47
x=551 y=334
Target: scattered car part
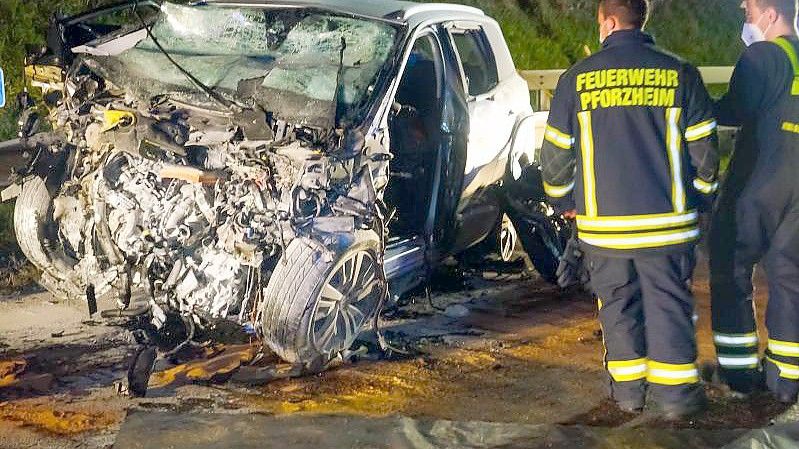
x=140 y=369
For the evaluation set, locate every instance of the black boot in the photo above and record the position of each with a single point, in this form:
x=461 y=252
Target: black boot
x=743 y=382
x=786 y=397
x=784 y=390
x=694 y=404
x=631 y=406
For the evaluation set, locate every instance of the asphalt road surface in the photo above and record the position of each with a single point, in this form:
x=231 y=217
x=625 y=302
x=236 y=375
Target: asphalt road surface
x=499 y=359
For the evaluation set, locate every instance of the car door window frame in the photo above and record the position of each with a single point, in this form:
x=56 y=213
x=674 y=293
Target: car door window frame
x=463 y=27
x=431 y=33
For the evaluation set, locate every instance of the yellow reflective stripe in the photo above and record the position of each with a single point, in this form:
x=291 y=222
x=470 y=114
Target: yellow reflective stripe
x=652 y=222
x=612 y=364
x=790 y=127
x=700 y=131
x=558 y=191
x=587 y=149
x=599 y=303
x=628 y=370
x=738 y=361
x=641 y=240
x=672 y=374
x=783 y=348
x=558 y=138
x=787 y=370
x=789 y=50
x=677 y=367
x=674 y=149
x=735 y=340
x=558 y=133
x=705 y=187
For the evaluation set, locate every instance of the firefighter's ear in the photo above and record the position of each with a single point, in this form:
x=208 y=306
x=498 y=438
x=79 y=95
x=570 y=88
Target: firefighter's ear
x=772 y=15
x=611 y=24
x=607 y=26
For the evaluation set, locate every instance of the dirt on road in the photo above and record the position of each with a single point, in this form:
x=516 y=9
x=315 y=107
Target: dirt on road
x=498 y=348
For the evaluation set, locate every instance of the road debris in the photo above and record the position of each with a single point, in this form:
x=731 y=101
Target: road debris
x=254 y=376
x=10 y=368
x=217 y=368
x=14 y=377
x=456 y=311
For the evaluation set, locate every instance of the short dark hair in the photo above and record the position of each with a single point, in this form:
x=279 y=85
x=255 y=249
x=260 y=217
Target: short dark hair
x=630 y=12
x=786 y=8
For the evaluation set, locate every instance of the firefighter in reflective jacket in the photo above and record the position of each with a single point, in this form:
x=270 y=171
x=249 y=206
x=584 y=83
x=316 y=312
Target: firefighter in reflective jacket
x=631 y=149
x=757 y=218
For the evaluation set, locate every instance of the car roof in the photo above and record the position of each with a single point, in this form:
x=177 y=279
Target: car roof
x=396 y=10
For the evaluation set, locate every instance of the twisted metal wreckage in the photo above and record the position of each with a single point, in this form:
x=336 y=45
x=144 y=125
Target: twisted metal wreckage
x=247 y=184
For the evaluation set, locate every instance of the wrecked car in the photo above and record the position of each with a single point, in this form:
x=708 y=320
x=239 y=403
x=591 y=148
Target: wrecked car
x=290 y=166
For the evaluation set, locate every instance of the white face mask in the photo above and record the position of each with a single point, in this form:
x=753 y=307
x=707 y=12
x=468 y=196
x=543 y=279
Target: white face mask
x=752 y=32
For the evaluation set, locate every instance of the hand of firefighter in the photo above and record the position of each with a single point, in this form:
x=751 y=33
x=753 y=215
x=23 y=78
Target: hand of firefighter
x=572 y=270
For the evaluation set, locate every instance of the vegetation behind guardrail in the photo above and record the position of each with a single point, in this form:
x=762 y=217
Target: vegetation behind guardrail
x=542 y=34
x=553 y=34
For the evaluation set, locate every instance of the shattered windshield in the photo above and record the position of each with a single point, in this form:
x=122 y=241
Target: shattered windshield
x=305 y=66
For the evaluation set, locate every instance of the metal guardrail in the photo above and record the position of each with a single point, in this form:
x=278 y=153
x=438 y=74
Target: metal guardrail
x=543 y=82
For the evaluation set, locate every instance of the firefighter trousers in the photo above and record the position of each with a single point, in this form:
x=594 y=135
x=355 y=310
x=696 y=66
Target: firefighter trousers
x=646 y=310
x=759 y=226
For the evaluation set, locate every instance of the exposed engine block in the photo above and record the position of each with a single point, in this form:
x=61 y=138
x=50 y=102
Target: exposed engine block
x=196 y=230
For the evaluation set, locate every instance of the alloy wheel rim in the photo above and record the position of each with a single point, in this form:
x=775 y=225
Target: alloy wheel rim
x=345 y=303
x=508 y=238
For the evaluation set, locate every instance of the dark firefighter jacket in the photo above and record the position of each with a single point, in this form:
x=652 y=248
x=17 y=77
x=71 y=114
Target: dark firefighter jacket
x=758 y=85
x=631 y=143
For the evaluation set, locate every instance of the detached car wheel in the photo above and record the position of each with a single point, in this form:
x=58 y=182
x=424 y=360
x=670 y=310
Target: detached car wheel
x=34 y=230
x=317 y=301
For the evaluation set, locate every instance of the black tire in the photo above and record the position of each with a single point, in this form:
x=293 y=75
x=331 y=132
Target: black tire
x=544 y=253
x=543 y=258
x=32 y=210
x=295 y=289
